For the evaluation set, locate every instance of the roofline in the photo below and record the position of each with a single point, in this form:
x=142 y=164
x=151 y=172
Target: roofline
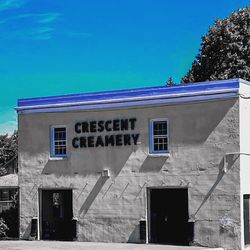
x=243 y=81
x=130 y=104
x=133 y=97
x=131 y=90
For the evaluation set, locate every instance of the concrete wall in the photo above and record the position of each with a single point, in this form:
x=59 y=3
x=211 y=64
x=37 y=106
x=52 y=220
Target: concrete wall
x=244 y=148
x=110 y=209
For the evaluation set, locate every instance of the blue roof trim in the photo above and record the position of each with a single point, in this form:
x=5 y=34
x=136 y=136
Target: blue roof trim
x=132 y=97
x=134 y=104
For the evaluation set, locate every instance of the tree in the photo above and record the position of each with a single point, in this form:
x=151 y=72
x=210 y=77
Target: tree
x=225 y=50
x=170 y=82
x=8 y=148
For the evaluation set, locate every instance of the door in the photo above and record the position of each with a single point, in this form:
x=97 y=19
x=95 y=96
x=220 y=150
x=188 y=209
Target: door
x=56 y=214
x=168 y=215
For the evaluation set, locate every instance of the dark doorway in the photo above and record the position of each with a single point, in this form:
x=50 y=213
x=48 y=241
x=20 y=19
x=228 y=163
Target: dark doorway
x=168 y=216
x=56 y=214
x=246 y=199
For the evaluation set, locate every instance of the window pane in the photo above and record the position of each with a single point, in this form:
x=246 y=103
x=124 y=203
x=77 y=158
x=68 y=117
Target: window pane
x=160 y=128
x=5 y=195
x=60 y=133
x=156 y=147
x=11 y=193
x=164 y=125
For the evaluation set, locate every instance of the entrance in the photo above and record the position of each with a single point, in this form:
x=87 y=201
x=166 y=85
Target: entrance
x=56 y=214
x=168 y=216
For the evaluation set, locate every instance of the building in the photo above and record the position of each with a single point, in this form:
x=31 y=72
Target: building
x=9 y=196
x=8 y=184
x=159 y=165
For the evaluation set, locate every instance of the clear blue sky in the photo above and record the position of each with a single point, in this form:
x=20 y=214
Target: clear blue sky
x=54 y=47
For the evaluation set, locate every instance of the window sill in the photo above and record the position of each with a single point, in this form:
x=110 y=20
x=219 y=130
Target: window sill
x=57 y=158
x=159 y=155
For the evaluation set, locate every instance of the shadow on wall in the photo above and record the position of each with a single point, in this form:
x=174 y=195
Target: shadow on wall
x=26 y=234
x=92 y=195
x=92 y=164
x=193 y=123
x=152 y=164
x=135 y=235
x=225 y=165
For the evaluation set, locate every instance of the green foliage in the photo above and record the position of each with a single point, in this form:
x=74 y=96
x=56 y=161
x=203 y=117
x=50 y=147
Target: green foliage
x=225 y=50
x=8 y=148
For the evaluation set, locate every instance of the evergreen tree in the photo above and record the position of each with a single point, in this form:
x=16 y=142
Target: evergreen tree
x=225 y=50
x=170 y=82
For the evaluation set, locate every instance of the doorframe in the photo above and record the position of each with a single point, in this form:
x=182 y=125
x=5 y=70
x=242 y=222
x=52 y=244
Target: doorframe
x=39 y=215
x=148 y=199
x=40 y=191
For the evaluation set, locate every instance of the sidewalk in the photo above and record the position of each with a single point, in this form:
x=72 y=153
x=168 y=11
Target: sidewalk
x=67 y=245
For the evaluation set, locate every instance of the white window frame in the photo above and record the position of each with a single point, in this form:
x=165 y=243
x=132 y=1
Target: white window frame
x=151 y=137
x=52 y=142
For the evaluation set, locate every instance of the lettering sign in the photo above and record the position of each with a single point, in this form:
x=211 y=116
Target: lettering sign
x=86 y=139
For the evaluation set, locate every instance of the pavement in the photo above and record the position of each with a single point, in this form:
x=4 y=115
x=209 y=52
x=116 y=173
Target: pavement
x=67 y=245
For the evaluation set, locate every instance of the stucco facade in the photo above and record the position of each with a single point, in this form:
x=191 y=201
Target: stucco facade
x=204 y=142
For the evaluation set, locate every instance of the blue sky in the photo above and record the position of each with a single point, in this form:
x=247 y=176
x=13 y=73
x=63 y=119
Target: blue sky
x=54 y=47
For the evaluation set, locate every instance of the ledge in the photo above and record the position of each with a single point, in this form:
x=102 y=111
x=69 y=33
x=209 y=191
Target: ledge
x=159 y=155
x=57 y=158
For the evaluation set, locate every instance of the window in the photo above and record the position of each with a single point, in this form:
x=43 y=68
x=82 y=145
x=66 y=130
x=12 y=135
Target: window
x=158 y=136
x=58 y=142
x=7 y=198
x=7 y=194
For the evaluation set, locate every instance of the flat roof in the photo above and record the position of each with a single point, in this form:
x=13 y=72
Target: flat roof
x=133 y=97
